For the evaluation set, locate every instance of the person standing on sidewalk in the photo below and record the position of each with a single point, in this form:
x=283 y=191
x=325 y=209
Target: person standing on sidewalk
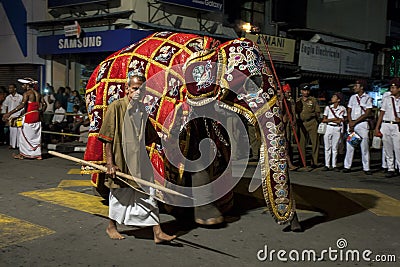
x=289 y=121
x=389 y=126
x=358 y=110
x=308 y=112
x=12 y=101
x=334 y=115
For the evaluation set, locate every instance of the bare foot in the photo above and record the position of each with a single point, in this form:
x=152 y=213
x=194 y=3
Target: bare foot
x=113 y=232
x=17 y=156
x=160 y=236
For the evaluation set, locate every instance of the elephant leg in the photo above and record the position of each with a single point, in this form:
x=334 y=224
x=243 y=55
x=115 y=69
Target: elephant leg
x=207 y=214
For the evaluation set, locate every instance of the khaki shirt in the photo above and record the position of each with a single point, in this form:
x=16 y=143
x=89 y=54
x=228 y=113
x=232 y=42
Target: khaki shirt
x=307 y=109
x=128 y=144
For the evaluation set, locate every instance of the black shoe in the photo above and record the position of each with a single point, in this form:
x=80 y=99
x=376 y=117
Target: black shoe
x=390 y=174
x=367 y=172
x=325 y=169
x=314 y=166
x=345 y=170
x=336 y=169
x=384 y=170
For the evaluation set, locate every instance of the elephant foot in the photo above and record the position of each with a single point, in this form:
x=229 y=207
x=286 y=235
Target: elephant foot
x=295 y=224
x=208 y=215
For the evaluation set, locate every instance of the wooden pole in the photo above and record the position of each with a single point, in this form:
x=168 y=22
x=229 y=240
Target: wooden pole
x=303 y=159
x=120 y=174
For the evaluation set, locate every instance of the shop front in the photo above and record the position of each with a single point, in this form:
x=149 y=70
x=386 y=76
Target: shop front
x=332 y=69
x=70 y=61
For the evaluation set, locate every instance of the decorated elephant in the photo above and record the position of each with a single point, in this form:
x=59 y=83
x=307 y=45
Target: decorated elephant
x=194 y=85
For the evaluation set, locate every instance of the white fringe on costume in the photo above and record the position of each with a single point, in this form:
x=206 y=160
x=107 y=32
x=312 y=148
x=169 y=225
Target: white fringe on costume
x=130 y=207
x=30 y=140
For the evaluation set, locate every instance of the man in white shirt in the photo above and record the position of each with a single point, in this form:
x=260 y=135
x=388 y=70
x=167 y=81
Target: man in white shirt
x=59 y=121
x=59 y=114
x=10 y=103
x=359 y=109
x=389 y=126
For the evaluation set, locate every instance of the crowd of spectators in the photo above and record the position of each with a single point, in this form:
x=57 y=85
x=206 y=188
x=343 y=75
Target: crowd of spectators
x=65 y=113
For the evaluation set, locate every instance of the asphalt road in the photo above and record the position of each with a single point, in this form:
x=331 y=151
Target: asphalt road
x=49 y=217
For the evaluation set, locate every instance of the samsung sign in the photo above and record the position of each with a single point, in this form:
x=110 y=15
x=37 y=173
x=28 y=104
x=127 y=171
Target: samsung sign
x=208 y=5
x=104 y=41
x=67 y=43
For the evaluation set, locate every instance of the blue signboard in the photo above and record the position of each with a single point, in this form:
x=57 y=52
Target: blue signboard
x=67 y=3
x=104 y=41
x=208 y=5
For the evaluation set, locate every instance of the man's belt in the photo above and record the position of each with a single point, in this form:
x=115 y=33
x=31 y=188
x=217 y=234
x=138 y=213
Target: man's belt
x=334 y=125
x=391 y=122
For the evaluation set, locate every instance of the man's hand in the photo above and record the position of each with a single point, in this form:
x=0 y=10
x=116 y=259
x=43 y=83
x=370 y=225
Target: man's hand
x=377 y=132
x=6 y=116
x=112 y=170
x=352 y=124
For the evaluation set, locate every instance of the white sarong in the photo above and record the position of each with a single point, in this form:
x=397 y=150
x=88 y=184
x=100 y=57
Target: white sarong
x=30 y=140
x=130 y=207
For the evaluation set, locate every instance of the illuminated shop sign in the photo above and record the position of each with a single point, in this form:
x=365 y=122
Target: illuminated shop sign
x=104 y=41
x=281 y=49
x=329 y=59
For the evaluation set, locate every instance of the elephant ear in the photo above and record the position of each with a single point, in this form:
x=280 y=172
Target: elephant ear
x=251 y=92
x=201 y=74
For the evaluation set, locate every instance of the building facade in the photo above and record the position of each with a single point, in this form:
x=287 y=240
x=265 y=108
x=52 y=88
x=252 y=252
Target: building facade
x=331 y=41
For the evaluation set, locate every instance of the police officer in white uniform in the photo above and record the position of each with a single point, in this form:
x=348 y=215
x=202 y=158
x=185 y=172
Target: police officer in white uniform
x=389 y=125
x=359 y=109
x=334 y=116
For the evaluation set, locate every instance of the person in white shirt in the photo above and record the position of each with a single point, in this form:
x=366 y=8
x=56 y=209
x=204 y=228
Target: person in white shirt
x=389 y=126
x=59 y=121
x=359 y=109
x=10 y=103
x=384 y=161
x=50 y=100
x=59 y=114
x=334 y=115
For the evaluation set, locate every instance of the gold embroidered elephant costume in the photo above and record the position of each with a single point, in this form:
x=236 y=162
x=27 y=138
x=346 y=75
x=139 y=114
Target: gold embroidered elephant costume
x=185 y=71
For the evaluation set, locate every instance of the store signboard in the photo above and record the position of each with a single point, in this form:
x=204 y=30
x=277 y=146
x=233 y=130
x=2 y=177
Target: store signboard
x=103 y=41
x=329 y=59
x=207 y=5
x=73 y=30
x=68 y=3
x=319 y=57
x=281 y=49
x=356 y=63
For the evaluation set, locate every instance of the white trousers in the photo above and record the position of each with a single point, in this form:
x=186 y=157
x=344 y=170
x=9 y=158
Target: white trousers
x=362 y=130
x=391 y=143
x=384 y=162
x=14 y=135
x=331 y=143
